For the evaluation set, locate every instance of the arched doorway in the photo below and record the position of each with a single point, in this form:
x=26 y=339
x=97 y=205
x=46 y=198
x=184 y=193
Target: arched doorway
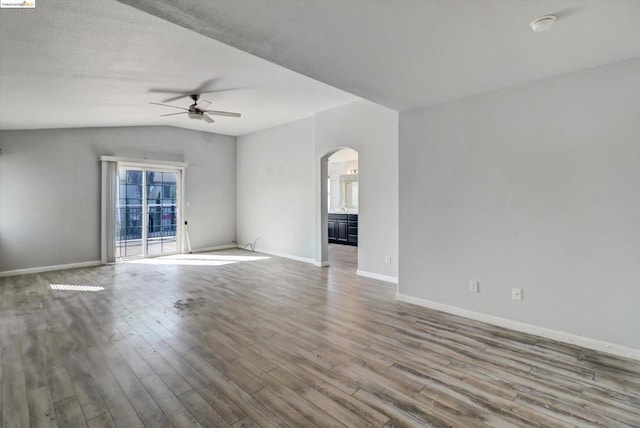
x=339 y=190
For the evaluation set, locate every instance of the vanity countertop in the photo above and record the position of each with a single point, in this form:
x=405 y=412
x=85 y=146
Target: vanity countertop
x=344 y=212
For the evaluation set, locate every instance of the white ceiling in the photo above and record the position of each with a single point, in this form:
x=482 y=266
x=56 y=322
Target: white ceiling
x=70 y=63
x=409 y=53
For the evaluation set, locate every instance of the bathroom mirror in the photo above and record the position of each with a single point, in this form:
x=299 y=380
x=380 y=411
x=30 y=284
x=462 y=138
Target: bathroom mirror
x=349 y=191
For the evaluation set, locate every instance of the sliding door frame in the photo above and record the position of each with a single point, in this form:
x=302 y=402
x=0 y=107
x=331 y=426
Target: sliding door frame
x=110 y=202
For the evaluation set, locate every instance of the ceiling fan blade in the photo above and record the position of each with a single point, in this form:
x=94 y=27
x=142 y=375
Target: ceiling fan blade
x=188 y=94
x=165 y=91
x=203 y=86
x=207 y=118
x=173 y=114
x=203 y=104
x=177 y=97
x=222 y=113
x=214 y=91
x=168 y=105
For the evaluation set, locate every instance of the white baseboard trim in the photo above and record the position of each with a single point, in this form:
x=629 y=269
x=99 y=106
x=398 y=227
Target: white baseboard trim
x=547 y=333
x=40 y=269
x=321 y=264
x=386 y=278
x=216 y=248
x=285 y=256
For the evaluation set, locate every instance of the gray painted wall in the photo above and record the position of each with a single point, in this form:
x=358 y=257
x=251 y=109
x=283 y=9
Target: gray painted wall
x=372 y=130
x=538 y=187
x=275 y=189
x=50 y=195
x=278 y=183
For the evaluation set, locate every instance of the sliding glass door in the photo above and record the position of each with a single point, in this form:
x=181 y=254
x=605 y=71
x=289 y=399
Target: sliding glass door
x=147 y=213
x=162 y=212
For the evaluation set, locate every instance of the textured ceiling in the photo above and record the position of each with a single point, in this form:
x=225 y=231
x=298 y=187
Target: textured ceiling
x=409 y=53
x=70 y=63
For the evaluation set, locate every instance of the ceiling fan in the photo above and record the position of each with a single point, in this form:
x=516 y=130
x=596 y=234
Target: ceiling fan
x=198 y=110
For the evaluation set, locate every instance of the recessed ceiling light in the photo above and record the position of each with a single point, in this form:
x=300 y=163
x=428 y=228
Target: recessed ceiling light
x=543 y=23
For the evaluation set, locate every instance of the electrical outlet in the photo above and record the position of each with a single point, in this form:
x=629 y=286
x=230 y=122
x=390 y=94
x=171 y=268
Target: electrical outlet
x=516 y=293
x=387 y=259
x=474 y=286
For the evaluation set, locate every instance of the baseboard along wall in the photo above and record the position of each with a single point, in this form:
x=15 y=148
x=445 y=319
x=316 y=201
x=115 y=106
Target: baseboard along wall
x=40 y=269
x=547 y=333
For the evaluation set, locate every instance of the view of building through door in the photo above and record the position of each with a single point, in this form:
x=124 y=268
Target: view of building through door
x=147 y=212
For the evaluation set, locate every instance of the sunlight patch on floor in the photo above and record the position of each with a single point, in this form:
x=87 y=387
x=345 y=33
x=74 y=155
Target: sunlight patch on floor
x=198 y=260
x=71 y=287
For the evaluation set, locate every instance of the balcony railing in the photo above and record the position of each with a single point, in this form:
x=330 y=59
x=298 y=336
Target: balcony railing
x=161 y=222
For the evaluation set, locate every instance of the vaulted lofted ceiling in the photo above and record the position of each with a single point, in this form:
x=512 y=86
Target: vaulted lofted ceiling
x=410 y=53
x=70 y=63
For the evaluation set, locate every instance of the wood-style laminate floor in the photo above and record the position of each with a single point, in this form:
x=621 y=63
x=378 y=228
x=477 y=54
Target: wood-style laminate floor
x=240 y=339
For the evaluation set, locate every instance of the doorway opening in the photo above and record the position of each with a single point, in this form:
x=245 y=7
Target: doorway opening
x=342 y=209
x=147 y=212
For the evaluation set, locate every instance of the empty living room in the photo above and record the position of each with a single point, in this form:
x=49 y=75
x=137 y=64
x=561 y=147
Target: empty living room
x=319 y=213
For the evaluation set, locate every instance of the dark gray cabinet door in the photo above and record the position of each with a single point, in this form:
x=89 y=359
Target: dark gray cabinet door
x=343 y=228
x=342 y=231
x=332 y=229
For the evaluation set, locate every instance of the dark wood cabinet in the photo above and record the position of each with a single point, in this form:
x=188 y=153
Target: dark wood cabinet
x=332 y=230
x=343 y=229
x=338 y=228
